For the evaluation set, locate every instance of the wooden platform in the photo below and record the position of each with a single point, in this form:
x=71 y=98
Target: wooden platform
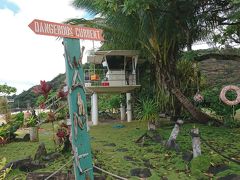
x=111 y=89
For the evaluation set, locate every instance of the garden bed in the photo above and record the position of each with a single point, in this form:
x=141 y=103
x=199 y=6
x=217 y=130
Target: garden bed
x=115 y=149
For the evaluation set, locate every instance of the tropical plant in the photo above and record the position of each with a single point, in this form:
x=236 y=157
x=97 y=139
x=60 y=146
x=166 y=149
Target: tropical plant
x=8 y=130
x=31 y=121
x=3 y=173
x=163 y=100
x=19 y=117
x=147 y=110
x=161 y=29
x=42 y=89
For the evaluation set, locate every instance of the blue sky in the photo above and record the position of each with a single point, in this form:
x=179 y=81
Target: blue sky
x=27 y=58
x=9 y=5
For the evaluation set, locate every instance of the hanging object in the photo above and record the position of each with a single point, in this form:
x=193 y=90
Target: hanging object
x=198 y=97
x=224 y=98
x=94 y=77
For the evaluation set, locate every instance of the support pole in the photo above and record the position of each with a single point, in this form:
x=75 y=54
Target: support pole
x=129 y=107
x=171 y=143
x=122 y=111
x=94 y=109
x=196 y=144
x=83 y=168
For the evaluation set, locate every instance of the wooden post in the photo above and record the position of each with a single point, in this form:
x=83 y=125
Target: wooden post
x=129 y=107
x=122 y=112
x=196 y=144
x=151 y=126
x=94 y=109
x=171 y=141
x=83 y=167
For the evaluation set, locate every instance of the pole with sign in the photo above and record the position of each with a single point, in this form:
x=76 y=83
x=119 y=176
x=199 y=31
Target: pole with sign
x=81 y=149
x=78 y=110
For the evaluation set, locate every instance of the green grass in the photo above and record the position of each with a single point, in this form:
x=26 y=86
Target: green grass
x=164 y=163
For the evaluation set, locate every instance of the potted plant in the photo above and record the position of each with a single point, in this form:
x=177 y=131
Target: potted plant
x=33 y=128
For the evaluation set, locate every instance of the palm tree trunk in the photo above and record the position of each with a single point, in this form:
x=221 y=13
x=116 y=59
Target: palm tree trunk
x=168 y=76
x=196 y=113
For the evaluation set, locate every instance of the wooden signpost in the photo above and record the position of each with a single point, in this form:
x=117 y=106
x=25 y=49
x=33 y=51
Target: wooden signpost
x=64 y=30
x=83 y=167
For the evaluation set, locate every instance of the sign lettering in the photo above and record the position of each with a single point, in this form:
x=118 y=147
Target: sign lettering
x=64 y=30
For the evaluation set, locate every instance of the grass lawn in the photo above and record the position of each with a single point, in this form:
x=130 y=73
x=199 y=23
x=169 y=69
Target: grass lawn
x=114 y=149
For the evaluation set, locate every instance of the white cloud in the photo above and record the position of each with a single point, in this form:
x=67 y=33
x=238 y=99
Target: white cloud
x=27 y=58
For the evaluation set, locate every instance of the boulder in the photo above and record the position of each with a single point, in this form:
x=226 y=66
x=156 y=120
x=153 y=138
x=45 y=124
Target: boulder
x=26 y=137
x=141 y=172
x=41 y=151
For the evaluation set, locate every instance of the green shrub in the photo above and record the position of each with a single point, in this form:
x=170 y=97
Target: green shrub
x=11 y=127
x=147 y=110
x=19 y=117
x=223 y=111
x=42 y=116
x=62 y=113
x=3 y=173
x=31 y=121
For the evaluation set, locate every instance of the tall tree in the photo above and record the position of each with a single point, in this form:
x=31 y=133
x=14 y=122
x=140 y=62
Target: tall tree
x=228 y=31
x=160 y=29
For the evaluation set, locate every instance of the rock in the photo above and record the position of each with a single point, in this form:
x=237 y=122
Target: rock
x=172 y=145
x=51 y=156
x=41 y=151
x=157 y=138
x=110 y=144
x=16 y=164
x=26 y=137
x=230 y=177
x=164 y=178
x=31 y=166
x=187 y=156
x=217 y=168
x=128 y=158
x=141 y=172
x=147 y=164
x=122 y=150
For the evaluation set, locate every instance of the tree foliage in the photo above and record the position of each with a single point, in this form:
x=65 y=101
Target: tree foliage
x=228 y=30
x=161 y=29
x=109 y=102
x=213 y=103
x=7 y=90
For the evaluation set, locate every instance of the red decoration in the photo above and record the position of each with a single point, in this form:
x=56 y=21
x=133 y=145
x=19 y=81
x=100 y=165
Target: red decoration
x=198 y=97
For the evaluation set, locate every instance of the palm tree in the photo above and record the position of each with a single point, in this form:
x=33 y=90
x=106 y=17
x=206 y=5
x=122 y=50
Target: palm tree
x=160 y=29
